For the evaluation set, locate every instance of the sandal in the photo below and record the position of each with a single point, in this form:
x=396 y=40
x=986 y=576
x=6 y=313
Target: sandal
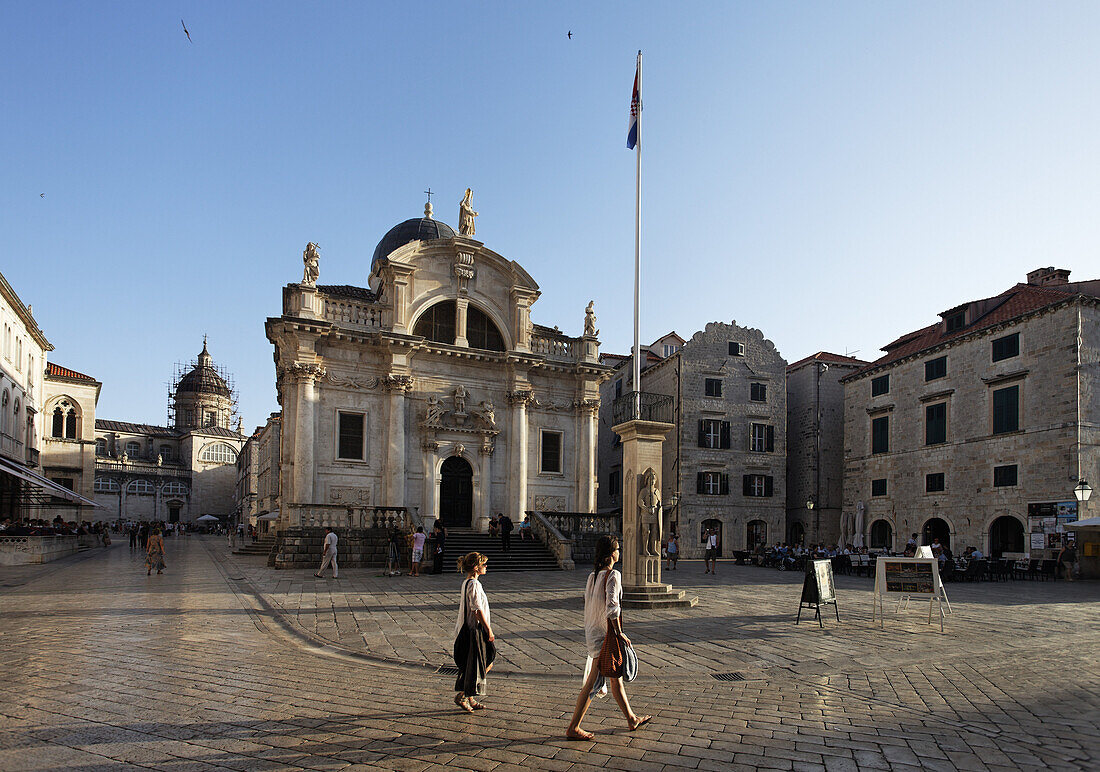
x=579 y=734
x=462 y=702
x=475 y=705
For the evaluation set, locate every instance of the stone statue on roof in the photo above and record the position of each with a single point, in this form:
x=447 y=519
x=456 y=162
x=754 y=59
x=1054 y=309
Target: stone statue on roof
x=466 y=215
x=312 y=259
x=590 y=320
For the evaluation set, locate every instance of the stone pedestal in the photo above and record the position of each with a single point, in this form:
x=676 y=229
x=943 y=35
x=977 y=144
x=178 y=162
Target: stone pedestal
x=641 y=549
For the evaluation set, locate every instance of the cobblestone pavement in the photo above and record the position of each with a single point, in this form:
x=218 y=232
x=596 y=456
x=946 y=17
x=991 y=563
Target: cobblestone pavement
x=223 y=663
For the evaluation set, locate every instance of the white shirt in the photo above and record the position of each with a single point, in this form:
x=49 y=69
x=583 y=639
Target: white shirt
x=330 y=543
x=712 y=541
x=602 y=601
x=475 y=600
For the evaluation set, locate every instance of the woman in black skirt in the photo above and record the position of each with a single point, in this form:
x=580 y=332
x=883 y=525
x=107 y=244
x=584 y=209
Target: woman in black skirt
x=474 y=651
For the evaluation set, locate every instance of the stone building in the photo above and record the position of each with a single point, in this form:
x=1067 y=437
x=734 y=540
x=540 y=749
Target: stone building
x=431 y=389
x=68 y=442
x=815 y=447
x=976 y=429
x=173 y=473
x=246 y=495
x=24 y=490
x=724 y=462
x=267 y=471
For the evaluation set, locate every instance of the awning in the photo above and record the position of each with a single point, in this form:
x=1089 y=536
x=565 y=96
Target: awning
x=1092 y=522
x=269 y=516
x=206 y=519
x=43 y=485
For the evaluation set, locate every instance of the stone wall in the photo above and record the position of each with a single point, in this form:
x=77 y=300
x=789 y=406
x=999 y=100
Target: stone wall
x=356 y=548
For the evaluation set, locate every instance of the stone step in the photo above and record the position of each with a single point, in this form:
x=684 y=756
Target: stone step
x=658 y=596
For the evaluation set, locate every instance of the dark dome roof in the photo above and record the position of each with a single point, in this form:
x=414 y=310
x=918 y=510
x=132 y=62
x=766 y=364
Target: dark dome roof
x=418 y=229
x=204 y=379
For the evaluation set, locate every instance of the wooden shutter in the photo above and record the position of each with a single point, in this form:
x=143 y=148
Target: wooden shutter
x=746 y=485
x=701 y=435
x=770 y=439
x=768 y=485
x=724 y=484
x=699 y=482
x=724 y=435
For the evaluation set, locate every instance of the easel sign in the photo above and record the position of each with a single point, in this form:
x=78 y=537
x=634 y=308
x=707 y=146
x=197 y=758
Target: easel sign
x=905 y=578
x=818 y=590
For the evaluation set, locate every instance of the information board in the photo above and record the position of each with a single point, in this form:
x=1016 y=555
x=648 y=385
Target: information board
x=818 y=590
x=904 y=578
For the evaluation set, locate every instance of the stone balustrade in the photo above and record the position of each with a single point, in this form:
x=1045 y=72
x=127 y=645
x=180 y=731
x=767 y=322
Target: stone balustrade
x=556 y=348
x=579 y=530
x=352 y=312
x=555 y=540
x=343 y=516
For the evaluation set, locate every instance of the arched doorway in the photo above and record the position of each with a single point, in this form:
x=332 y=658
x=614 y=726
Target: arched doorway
x=797 y=534
x=756 y=534
x=456 y=493
x=882 y=535
x=936 y=528
x=1006 y=534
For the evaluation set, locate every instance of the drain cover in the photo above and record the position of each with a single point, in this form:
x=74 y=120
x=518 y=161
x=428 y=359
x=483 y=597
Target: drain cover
x=728 y=676
x=446 y=670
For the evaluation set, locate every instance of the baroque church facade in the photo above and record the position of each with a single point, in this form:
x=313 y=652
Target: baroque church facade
x=431 y=389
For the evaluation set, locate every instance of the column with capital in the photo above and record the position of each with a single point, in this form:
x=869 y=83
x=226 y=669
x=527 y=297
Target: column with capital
x=304 y=431
x=397 y=386
x=586 y=455
x=517 y=472
x=485 y=489
x=429 y=503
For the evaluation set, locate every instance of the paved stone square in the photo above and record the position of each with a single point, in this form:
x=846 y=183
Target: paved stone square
x=223 y=663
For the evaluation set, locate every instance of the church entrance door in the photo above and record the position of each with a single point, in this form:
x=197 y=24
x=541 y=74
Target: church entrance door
x=456 y=493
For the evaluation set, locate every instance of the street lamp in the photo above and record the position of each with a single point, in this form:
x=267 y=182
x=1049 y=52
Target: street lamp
x=1082 y=492
x=810 y=503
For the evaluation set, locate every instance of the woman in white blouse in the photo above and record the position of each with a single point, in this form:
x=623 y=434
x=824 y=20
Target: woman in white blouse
x=474 y=650
x=602 y=617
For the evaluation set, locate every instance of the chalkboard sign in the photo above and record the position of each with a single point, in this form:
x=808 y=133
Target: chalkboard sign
x=909 y=578
x=818 y=590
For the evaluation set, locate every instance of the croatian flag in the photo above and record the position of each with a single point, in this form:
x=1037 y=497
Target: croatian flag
x=635 y=108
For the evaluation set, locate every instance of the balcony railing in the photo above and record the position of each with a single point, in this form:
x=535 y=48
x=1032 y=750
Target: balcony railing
x=647 y=407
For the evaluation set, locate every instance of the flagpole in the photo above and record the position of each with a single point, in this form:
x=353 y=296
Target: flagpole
x=638 y=250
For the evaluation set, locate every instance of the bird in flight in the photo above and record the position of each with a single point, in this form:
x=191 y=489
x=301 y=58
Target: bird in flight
x=185 y=32
x=41 y=195
x=570 y=34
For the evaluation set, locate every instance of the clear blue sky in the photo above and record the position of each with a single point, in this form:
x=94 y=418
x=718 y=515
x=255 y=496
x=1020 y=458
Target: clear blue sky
x=834 y=174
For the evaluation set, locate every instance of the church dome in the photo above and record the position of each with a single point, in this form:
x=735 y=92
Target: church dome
x=204 y=379
x=418 y=229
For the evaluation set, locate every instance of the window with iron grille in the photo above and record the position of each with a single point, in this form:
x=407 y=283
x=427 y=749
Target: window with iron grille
x=550 y=452
x=351 y=435
x=1004 y=476
x=934 y=483
x=878 y=487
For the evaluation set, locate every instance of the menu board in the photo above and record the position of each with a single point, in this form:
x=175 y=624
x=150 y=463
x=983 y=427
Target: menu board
x=1038 y=541
x=909 y=577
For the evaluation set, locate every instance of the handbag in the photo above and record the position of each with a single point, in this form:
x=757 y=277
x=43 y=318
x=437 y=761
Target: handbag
x=611 y=657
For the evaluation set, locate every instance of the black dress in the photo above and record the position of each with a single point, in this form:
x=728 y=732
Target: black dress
x=473 y=654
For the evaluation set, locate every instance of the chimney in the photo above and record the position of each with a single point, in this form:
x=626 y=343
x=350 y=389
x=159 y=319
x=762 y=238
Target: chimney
x=1042 y=277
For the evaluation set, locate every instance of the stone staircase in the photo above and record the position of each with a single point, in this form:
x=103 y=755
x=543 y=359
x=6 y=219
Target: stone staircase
x=261 y=547
x=524 y=555
x=657 y=596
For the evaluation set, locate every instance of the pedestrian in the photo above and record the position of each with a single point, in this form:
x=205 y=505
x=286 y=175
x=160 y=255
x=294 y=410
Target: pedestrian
x=602 y=617
x=494 y=526
x=1066 y=559
x=418 y=550
x=672 y=550
x=440 y=547
x=328 y=554
x=474 y=649
x=154 y=553
x=506 y=533
x=143 y=536
x=133 y=536
x=710 y=557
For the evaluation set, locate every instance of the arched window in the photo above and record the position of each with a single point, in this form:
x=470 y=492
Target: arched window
x=4 y=415
x=438 y=323
x=100 y=446
x=166 y=453
x=481 y=332
x=70 y=424
x=106 y=485
x=882 y=535
x=58 y=423
x=133 y=449
x=174 y=489
x=18 y=425
x=219 y=453
x=143 y=487
x=756 y=534
x=64 y=421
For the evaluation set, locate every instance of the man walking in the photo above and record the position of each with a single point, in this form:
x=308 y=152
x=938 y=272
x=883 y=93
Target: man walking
x=506 y=533
x=329 y=555
x=133 y=536
x=710 y=557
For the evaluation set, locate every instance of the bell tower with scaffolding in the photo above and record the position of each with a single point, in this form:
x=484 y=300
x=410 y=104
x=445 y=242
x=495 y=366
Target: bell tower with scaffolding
x=202 y=395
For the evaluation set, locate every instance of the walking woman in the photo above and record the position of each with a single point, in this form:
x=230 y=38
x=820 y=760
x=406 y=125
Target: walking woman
x=474 y=651
x=602 y=617
x=154 y=553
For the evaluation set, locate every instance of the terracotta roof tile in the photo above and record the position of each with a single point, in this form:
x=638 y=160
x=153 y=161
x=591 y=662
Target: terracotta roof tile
x=57 y=371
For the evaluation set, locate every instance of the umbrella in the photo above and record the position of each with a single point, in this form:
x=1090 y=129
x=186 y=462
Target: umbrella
x=205 y=519
x=1092 y=522
x=269 y=516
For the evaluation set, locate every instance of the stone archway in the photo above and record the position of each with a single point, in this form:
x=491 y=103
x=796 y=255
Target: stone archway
x=456 y=493
x=1006 y=534
x=936 y=528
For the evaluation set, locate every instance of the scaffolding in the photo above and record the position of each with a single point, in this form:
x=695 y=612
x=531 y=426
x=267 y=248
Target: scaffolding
x=211 y=379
